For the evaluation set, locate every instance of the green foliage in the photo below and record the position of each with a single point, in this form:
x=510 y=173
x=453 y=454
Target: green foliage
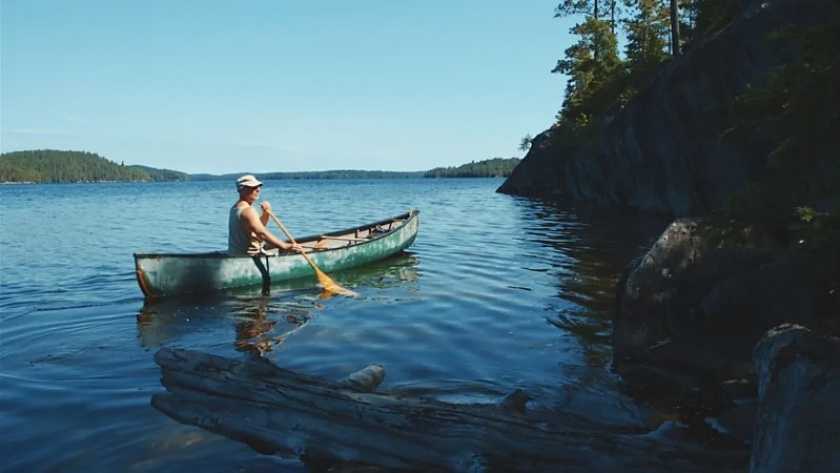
x=713 y=15
x=592 y=65
x=525 y=143
x=798 y=196
x=648 y=33
x=52 y=166
x=687 y=16
x=819 y=232
x=591 y=60
x=163 y=174
x=10 y=172
x=599 y=80
x=496 y=167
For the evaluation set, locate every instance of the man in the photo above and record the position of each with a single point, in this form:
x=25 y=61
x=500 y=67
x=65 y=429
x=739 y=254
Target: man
x=246 y=229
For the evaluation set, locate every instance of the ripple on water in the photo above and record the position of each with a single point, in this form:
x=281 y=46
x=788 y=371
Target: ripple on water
x=497 y=293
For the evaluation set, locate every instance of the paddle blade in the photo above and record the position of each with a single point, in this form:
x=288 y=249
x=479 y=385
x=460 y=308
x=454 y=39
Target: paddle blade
x=326 y=281
x=329 y=285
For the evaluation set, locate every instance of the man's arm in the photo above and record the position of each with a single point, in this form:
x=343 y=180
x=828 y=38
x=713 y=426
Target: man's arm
x=256 y=224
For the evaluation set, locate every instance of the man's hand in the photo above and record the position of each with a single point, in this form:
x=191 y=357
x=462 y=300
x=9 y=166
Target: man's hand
x=265 y=207
x=292 y=247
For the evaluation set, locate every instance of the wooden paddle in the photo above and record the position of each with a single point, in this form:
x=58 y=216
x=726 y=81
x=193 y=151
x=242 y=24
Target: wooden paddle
x=326 y=281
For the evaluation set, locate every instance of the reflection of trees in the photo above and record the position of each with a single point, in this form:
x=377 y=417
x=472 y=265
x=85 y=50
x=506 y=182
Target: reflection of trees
x=589 y=249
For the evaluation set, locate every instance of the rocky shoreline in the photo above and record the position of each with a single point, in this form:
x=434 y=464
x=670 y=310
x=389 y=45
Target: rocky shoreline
x=697 y=311
x=693 y=314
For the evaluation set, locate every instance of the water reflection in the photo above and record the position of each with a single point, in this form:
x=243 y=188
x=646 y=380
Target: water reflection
x=257 y=329
x=261 y=323
x=590 y=247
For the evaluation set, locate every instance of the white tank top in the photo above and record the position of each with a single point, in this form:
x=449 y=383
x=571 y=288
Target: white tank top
x=240 y=242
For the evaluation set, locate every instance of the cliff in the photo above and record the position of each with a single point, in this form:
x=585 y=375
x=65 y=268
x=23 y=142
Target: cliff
x=664 y=151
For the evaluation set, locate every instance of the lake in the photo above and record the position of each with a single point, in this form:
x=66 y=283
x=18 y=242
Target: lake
x=497 y=293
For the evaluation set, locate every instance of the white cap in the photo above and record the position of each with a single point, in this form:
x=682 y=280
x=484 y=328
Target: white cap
x=248 y=180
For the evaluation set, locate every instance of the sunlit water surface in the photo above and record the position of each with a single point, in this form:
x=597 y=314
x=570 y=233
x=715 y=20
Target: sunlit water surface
x=497 y=293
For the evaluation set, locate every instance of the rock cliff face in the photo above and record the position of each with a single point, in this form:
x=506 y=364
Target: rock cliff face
x=664 y=150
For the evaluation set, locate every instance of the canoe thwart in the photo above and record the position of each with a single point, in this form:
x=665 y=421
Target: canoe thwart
x=341 y=238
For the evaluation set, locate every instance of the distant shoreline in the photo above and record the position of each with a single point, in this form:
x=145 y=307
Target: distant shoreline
x=76 y=167
x=11 y=183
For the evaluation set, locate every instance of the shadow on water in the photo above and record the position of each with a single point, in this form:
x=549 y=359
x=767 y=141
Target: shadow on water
x=590 y=248
x=262 y=323
x=592 y=253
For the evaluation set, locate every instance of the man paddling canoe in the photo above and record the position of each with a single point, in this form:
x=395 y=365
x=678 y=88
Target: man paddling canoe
x=246 y=229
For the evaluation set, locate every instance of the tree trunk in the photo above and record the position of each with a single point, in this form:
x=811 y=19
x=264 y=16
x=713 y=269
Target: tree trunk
x=675 y=28
x=278 y=411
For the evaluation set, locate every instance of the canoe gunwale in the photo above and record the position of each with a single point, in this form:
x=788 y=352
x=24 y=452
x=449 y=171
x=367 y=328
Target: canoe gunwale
x=155 y=276
x=405 y=217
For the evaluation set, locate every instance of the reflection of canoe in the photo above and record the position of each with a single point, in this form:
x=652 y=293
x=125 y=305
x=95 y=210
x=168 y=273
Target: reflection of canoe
x=188 y=273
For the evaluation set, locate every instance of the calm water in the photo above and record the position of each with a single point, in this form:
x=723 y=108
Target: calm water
x=497 y=293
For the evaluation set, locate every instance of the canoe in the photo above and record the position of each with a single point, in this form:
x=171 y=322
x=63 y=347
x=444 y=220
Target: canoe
x=169 y=274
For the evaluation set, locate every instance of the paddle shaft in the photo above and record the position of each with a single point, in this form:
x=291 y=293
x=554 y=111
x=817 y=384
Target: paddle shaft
x=326 y=281
x=289 y=236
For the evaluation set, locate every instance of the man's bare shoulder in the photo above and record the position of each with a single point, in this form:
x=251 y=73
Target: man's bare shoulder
x=248 y=211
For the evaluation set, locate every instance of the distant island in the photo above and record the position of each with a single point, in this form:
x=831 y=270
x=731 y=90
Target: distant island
x=496 y=167
x=55 y=166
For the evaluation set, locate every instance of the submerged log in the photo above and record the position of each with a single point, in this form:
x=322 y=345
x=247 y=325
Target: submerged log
x=276 y=411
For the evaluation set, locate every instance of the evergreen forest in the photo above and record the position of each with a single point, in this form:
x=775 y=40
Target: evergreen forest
x=54 y=166
x=496 y=167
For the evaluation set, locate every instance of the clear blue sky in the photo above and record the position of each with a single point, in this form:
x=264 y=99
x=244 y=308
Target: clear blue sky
x=224 y=86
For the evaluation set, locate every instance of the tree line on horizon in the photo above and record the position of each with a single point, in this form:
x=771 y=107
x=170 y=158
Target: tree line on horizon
x=310 y=175
x=496 y=167
x=55 y=166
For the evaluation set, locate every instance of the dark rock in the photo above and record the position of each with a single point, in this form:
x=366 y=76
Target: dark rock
x=739 y=421
x=724 y=328
x=658 y=293
x=515 y=401
x=798 y=422
x=696 y=308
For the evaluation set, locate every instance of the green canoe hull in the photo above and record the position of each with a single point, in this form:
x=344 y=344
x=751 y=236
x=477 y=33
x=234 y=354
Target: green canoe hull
x=161 y=275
